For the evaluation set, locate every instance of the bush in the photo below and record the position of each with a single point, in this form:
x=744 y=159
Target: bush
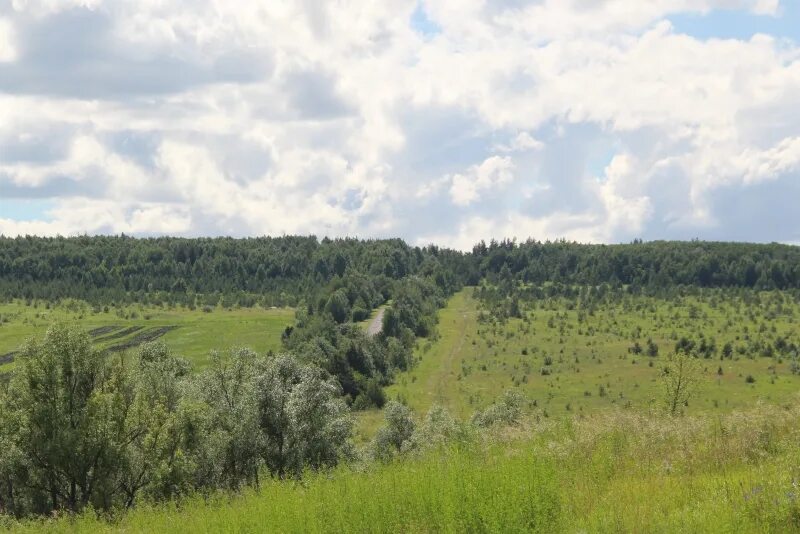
x=80 y=428
x=395 y=435
x=360 y=314
x=373 y=396
x=507 y=411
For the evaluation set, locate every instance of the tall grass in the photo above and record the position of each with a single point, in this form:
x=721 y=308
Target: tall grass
x=459 y=491
x=618 y=472
x=630 y=472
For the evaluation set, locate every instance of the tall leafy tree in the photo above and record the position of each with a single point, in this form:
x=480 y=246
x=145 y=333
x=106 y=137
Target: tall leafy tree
x=69 y=431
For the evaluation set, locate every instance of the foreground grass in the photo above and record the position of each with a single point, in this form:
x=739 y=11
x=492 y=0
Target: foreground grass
x=617 y=472
x=197 y=332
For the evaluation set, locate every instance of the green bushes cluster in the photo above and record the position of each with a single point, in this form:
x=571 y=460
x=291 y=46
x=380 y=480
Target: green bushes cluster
x=79 y=428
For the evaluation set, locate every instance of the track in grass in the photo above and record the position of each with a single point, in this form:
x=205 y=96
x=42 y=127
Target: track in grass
x=198 y=332
x=119 y=335
x=376 y=324
x=103 y=330
x=151 y=334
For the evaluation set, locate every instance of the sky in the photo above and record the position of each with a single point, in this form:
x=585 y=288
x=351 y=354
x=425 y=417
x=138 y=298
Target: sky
x=437 y=121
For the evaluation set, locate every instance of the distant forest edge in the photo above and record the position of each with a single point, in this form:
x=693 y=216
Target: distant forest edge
x=274 y=271
x=286 y=270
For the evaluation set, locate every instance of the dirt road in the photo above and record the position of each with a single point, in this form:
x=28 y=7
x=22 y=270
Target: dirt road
x=376 y=324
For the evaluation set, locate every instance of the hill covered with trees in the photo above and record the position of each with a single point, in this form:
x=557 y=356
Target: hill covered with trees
x=286 y=270
x=271 y=270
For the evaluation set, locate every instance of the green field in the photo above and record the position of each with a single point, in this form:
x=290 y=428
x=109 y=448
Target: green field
x=474 y=361
x=193 y=335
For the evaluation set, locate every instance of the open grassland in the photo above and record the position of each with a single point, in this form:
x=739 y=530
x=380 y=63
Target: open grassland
x=571 y=360
x=190 y=333
x=619 y=471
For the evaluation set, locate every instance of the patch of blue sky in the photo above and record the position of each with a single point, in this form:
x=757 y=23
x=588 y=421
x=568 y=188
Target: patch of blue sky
x=422 y=24
x=25 y=209
x=598 y=158
x=742 y=25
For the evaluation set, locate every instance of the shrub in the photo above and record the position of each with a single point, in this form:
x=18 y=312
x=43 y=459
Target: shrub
x=392 y=438
x=372 y=396
x=360 y=314
x=506 y=411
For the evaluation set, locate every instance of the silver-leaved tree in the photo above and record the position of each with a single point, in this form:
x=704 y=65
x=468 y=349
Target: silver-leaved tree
x=79 y=427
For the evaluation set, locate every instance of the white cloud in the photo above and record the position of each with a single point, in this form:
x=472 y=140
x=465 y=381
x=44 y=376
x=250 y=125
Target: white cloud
x=201 y=116
x=11 y=228
x=521 y=143
x=768 y=164
x=82 y=216
x=494 y=173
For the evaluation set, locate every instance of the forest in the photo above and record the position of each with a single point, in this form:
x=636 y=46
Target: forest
x=265 y=270
x=287 y=269
x=130 y=378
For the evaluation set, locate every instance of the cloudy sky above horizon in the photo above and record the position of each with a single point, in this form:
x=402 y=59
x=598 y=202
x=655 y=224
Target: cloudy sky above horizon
x=443 y=121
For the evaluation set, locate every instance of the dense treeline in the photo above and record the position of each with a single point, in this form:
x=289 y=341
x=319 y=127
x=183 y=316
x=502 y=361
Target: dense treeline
x=364 y=364
x=655 y=264
x=285 y=270
x=272 y=271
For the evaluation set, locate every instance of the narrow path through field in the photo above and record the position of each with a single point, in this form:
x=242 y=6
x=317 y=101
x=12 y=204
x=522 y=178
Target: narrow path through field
x=434 y=377
x=438 y=383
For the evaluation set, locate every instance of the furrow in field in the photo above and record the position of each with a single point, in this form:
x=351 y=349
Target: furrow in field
x=148 y=335
x=119 y=335
x=103 y=330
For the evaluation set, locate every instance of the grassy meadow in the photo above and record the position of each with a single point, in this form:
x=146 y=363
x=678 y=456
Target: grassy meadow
x=190 y=333
x=568 y=361
x=589 y=363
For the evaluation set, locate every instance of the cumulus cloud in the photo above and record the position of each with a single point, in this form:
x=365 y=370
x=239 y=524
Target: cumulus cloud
x=445 y=120
x=521 y=143
x=493 y=173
